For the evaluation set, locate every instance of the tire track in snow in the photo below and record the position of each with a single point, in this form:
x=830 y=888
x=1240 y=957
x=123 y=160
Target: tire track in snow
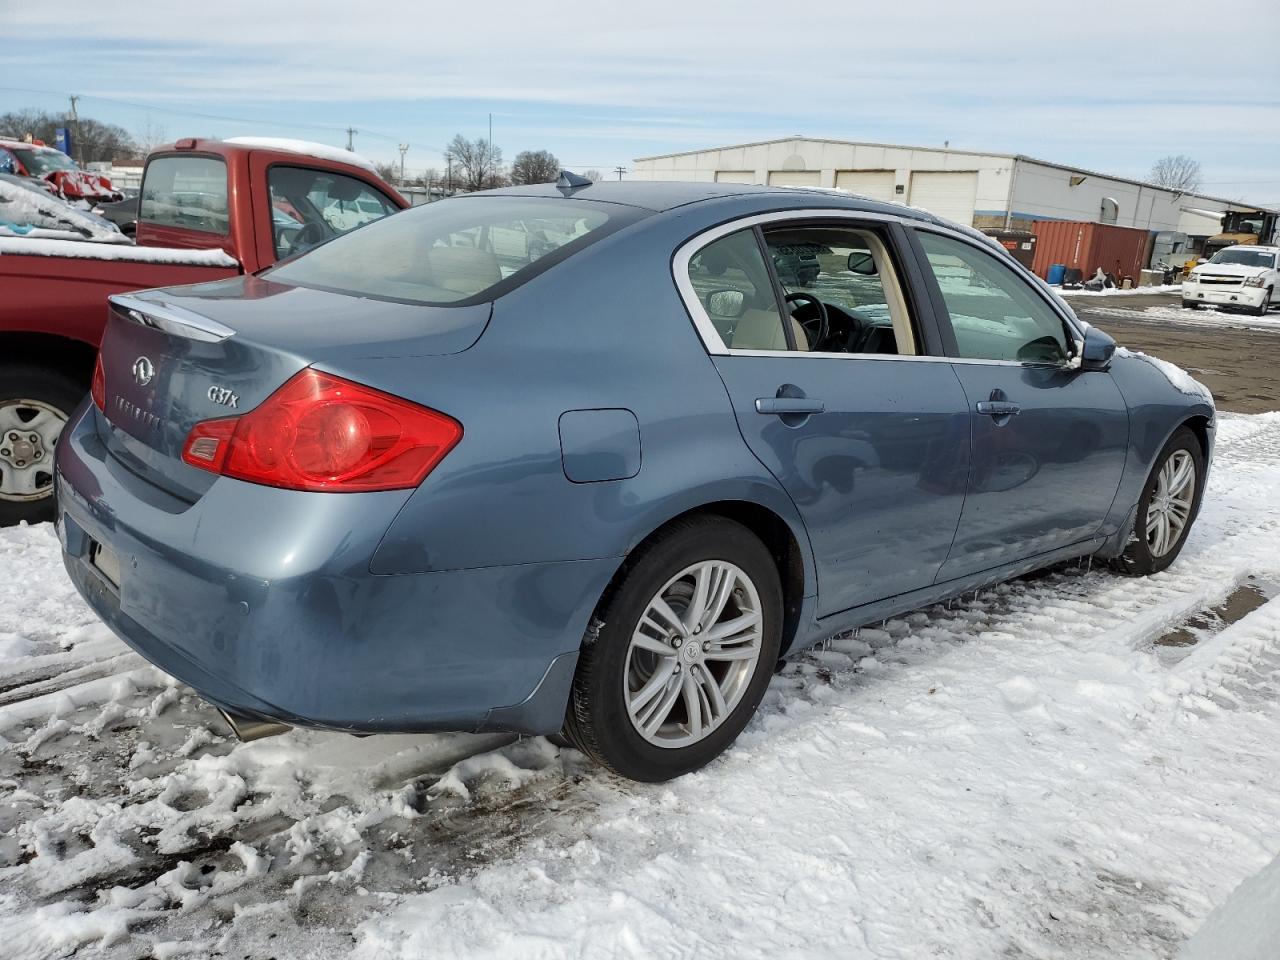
x=129 y=807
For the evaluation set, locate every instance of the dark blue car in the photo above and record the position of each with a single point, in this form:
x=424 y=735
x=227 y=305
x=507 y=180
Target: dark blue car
x=583 y=460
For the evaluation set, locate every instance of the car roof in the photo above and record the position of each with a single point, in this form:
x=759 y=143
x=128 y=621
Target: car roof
x=1265 y=248
x=6 y=142
x=662 y=195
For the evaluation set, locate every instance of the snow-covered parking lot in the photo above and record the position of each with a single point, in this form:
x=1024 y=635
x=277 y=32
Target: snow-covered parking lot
x=1074 y=765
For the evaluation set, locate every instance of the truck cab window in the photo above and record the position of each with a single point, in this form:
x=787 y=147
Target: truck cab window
x=310 y=206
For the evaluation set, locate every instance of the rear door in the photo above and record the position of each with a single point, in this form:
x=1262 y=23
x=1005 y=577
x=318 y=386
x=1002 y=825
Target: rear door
x=1048 y=440
x=871 y=446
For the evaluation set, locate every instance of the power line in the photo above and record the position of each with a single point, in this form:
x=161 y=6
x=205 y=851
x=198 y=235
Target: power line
x=206 y=116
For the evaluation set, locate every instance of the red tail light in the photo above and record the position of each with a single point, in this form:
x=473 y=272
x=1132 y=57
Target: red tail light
x=98 y=388
x=320 y=432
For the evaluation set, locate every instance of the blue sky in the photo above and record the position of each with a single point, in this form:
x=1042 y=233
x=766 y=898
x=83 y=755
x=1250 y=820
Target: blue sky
x=1110 y=86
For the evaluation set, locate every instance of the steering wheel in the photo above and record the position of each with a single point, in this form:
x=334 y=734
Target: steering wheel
x=310 y=234
x=822 y=320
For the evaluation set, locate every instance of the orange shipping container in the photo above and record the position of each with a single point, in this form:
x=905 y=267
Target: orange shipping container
x=1082 y=246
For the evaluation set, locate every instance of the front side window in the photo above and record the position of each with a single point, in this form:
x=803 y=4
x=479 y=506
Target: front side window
x=309 y=206
x=466 y=249
x=732 y=282
x=188 y=192
x=841 y=289
x=994 y=313
x=8 y=163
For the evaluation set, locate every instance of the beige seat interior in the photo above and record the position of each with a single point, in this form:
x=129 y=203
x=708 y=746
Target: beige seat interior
x=464 y=270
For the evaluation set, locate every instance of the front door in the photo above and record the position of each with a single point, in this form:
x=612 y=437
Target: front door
x=870 y=440
x=1048 y=440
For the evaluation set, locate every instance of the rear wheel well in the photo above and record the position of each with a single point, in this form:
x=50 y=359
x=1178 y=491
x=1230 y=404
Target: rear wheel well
x=772 y=531
x=71 y=358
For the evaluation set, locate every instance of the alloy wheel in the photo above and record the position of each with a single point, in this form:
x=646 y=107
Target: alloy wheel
x=29 y=431
x=1169 y=510
x=693 y=653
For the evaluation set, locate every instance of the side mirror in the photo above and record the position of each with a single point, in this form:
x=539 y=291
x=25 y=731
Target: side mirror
x=726 y=303
x=1097 y=351
x=861 y=262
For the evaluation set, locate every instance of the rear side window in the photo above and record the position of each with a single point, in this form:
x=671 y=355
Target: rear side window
x=187 y=192
x=733 y=283
x=455 y=251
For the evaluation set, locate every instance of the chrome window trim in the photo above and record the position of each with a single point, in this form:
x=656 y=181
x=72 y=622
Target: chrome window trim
x=710 y=336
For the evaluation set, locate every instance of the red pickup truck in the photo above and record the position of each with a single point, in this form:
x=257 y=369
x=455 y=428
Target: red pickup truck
x=208 y=209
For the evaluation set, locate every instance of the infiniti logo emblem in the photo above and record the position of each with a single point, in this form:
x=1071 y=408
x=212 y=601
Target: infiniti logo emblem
x=143 y=371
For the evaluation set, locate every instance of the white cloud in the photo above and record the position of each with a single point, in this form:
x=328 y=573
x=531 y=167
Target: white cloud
x=1090 y=82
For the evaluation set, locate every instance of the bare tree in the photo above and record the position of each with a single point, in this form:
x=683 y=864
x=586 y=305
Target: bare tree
x=477 y=164
x=1176 y=172
x=151 y=135
x=595 y=176
x=390 y=172
x=534 y=166
x=96 y=140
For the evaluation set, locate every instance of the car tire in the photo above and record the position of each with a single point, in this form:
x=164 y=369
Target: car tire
x=1265 y=305
x=1145 y=553
x=621 y=688
x=1190 y=305
x=31 y=395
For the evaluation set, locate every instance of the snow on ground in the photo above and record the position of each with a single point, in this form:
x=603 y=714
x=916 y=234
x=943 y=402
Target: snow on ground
x=1204 y=317
x=1024 y=773
x=1118 y=292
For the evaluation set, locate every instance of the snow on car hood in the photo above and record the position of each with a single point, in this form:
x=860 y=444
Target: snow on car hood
x=30 y=211
x=1228 y=270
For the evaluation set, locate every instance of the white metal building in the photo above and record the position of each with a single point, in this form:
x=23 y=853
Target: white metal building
x=986 y=190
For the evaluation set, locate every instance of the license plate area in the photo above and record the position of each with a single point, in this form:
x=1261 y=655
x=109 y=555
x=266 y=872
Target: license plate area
x=106 y=562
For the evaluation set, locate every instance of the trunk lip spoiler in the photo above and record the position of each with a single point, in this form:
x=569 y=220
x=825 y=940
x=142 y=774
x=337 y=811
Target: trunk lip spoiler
x=174 y=320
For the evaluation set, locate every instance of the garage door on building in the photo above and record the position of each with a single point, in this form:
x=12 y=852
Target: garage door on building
x=950 y=194
x=795 y=178
x=873 y=184
x=735 y=176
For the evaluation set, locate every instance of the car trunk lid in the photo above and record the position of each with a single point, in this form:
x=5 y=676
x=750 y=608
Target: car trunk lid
x=173 y=358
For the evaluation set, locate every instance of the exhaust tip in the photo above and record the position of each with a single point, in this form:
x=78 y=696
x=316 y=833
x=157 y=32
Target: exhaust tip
x=247 y=729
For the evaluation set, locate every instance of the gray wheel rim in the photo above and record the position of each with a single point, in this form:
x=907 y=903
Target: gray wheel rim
x=693 y=653
x=29 y=431
x=1169 y=510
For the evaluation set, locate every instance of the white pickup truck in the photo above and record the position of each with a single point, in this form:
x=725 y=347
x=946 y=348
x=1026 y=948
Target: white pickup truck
x=1239 y=276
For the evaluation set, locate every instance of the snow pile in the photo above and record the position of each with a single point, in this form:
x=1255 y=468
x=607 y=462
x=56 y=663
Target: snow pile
x=1246 y=927
x=321 y=151
x=87 y=250
x=29 y=211
x=1018 y=773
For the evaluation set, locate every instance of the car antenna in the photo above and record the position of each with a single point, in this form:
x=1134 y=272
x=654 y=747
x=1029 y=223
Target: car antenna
x=569 y=182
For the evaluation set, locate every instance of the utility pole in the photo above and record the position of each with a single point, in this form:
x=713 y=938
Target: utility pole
x=448 y=173
x=404 y=148
x=351 y=132
x=489 y=158
x=619 y=171
x=75 y=123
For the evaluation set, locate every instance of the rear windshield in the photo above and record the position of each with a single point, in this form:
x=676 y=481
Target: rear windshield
x=186 y=191
x=463 y=250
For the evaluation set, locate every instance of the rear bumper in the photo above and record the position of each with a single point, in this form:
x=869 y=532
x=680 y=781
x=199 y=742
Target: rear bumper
x=262 y=600
x=1230 y=297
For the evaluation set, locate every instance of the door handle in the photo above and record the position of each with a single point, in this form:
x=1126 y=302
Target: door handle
x=998 y=408
x=789 y=406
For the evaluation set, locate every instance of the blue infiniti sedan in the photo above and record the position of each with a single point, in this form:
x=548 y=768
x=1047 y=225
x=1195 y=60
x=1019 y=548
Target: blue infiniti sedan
x=589 y=460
